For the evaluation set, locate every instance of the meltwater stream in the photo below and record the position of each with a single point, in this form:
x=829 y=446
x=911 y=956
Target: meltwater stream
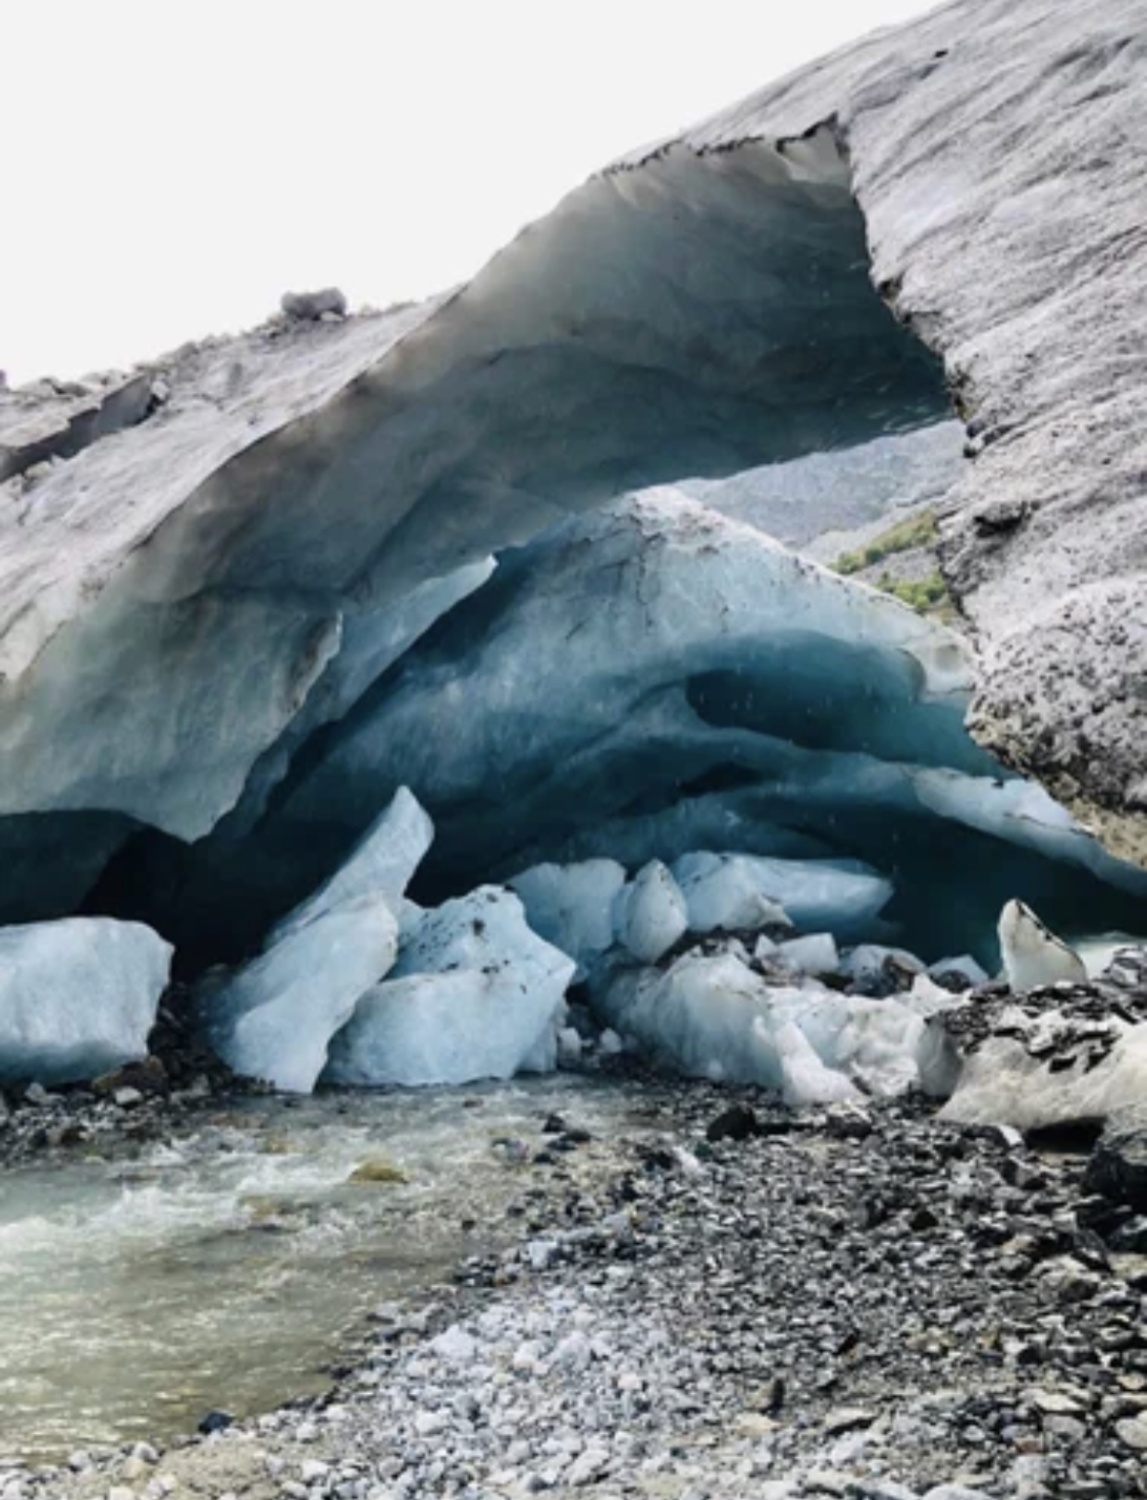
x=227 y=1267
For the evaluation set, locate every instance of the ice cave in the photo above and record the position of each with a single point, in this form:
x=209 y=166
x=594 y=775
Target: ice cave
x=512 y=592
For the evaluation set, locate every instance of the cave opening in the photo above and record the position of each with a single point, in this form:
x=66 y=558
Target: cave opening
x=706 y=321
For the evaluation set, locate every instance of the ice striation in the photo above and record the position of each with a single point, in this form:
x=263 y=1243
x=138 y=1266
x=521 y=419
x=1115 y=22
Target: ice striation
x=658 y=682
x=78 y=997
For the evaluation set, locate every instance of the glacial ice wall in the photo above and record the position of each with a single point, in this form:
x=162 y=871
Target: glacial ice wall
x=205 y=604
x=654 y=679
x=188 y=600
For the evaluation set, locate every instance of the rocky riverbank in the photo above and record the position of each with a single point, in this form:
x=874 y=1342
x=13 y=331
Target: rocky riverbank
x=729 y=1299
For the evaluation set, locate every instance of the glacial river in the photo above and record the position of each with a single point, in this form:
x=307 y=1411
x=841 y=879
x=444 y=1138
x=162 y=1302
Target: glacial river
x=227 y=1268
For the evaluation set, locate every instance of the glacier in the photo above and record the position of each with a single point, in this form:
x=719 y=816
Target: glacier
x=78 y=997
x=254 y=589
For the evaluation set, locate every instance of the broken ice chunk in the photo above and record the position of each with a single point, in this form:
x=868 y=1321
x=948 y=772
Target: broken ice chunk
x=381 y=864
x=651 y=914
x=723 y=894
x=77 y=997
x=571 y=906
x=445 y=1029
x=1032 y=955
x=841 y=895
x=813 y=954
x=806 y=1080
x=274 y=1019
x=475 y=994
x=697 y=1017
x=710 y=1016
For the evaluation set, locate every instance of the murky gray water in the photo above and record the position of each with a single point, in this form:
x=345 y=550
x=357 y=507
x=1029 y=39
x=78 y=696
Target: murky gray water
x=227 y=1268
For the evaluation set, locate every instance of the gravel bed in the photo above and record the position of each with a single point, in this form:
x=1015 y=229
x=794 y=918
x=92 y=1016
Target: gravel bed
x=861 y=1303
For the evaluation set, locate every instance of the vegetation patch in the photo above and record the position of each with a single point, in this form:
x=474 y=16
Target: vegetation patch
x=928 y=595
x=917 y=531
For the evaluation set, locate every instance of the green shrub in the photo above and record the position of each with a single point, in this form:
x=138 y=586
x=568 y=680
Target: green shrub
x=916 y=531
x=926 y=595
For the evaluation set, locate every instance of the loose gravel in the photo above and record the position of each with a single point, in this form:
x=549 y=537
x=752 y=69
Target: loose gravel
x=731 y=1300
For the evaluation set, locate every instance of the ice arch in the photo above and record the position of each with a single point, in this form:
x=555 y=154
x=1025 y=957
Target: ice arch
x=188 y=601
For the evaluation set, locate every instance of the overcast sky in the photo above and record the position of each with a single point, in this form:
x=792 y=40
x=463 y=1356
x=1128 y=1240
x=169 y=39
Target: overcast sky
x=171 y=166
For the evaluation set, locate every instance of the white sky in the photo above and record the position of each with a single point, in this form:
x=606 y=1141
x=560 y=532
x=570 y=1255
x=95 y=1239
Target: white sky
x=170 y=167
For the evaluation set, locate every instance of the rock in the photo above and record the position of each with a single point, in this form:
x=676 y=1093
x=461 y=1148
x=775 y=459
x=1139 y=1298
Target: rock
x=1117 y=1167
x=847 y=1419
x=1132 y=1432
x=1055 y=1403
x=455 y=1345
x=147 y=1077
x=588 y=1467
x=311 y=306
x=737 y=1123
x=214 y=1421
x=378 y=1171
